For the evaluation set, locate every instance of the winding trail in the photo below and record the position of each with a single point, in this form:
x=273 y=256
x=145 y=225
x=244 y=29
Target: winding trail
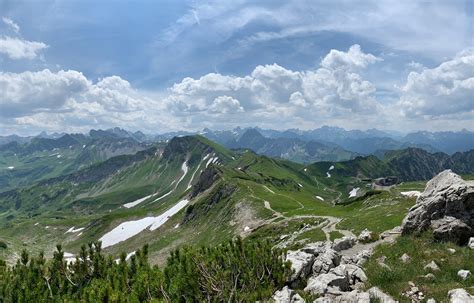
x=327 y=226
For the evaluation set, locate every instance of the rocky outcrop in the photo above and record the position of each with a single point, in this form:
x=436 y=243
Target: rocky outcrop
x=460 y=295
x=287 y=295
x=344 y=243
x=377 y=293
x=446 y=206
x=301 y=263
x=206 y=179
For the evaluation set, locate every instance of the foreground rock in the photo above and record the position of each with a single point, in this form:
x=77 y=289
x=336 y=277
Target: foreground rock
x=460 y=295
x=446 y=206
x=287 y=295
x=301 y=263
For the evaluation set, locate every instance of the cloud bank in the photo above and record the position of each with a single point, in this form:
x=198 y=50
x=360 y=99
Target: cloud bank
x=335 y=92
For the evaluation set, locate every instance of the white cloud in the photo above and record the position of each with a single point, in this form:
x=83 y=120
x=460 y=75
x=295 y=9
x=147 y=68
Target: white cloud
x=16 y=48
x=412 y=26
x=67 y=100
x=11 y=24
x=226 y=105
x=274 y=93
x=447 y=89
x=350 y=60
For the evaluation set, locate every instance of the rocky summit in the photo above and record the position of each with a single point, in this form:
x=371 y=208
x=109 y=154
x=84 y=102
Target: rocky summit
x=446 y=206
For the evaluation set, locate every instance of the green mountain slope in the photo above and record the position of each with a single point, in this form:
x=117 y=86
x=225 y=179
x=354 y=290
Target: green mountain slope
x=193 y=191
x=43 y=158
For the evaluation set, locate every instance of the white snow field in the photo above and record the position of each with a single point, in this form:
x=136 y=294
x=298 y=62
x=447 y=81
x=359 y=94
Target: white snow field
x=412 y=193
x=353 y=192
x=129 y=229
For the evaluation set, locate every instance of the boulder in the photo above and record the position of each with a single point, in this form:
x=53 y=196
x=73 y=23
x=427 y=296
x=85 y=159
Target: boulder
x=376 y=293
x=405 y=258
x=287 y=295
x=301 y=263
x=365 y=236
x=460 y=295
x=431 y=300
x=448 y=228
x=346 y=297
x=316 y=248
x=431 y=266
x=325 y=261
x=343 y=243
x=464 y=274
x=353 y=272
x=358 y=259
x=446 y=195
x=319 y=285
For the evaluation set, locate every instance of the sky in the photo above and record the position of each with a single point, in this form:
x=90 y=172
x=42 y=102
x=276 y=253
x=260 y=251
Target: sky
x=167 y=65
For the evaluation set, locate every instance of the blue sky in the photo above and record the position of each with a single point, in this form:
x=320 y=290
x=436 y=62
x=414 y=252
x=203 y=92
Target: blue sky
x=169 y=65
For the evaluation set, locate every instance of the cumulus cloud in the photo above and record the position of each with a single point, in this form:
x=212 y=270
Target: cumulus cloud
x=333 y=89
x=447 y=89
x=68 y=100
x=17 y=48
x=11 y=24
x=225 y=105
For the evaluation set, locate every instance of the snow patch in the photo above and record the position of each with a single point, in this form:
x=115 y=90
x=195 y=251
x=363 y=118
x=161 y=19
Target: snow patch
x=412 y=193
x=320 y=198
x=159 y=198
x=11 y=167
x=305 y=169
x=129 y=229
x=129 y=255
x=246 y=228
x=72 y=230
x=184 y=168
x=332 y=167
x=69 y=258
x=299 y=184
x=176 y=226
x=328 y=175
x=136 y=202
x=353 y=192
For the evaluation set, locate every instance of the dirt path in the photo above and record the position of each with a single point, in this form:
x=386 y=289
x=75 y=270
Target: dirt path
x=330 y=225
x=327 y=226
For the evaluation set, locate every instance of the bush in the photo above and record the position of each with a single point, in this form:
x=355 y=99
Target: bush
x=233 y=272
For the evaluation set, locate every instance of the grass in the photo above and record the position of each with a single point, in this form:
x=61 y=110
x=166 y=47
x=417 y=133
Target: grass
x=422 y=250
x=335 y=235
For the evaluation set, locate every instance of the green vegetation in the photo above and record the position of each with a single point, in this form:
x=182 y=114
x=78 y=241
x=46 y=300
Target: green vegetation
x=421 y=250
x=335 y=235
x=238 y=271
